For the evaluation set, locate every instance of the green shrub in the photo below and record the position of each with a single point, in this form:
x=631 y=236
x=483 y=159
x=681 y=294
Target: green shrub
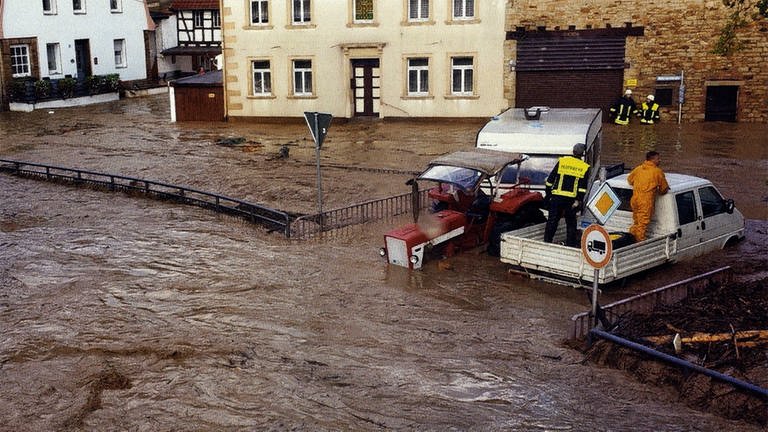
x=93 y=83
x=17 y=88
x=112 y=82
x=67 y=87
x=42 y=88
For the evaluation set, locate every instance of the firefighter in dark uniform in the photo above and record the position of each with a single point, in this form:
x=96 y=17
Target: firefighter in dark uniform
x=566 y=187
x=623 y=108
x=649 y=111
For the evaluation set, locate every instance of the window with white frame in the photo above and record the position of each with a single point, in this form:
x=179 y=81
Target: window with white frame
x=262 y=78
x=198 y=19
x=54 y=58
x=302 y=77
x=20 y=66
x=463 y=9
x=418 y=76
x=78 y=6
x=119 y=52
x=216 y=18
x=418 y=10
x=462 y=75
x=259 y=12
x=49 y=7
x=301 y=12
x=115 y=5
x=363 y=11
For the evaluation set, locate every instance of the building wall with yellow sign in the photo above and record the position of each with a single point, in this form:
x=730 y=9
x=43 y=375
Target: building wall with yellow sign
x=677 y=36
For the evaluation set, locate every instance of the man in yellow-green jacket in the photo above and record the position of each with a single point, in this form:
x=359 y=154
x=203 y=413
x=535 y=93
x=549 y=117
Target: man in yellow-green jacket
x=566 y=187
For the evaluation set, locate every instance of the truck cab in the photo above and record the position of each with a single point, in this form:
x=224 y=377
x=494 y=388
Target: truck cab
x=543 y=134
x=693 y=212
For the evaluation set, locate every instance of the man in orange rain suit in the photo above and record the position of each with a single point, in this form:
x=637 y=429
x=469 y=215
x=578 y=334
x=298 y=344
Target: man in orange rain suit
x=647 y=181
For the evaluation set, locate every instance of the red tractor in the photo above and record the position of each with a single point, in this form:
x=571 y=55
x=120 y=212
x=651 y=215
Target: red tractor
x=471 y=207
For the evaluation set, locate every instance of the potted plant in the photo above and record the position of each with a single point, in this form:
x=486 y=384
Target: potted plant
x=42 y=88
x=67 y=87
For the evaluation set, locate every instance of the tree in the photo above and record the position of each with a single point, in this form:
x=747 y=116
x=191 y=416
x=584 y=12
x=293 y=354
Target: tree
x=742 y=12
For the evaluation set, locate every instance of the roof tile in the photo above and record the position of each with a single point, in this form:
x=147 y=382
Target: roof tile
x=195 y=4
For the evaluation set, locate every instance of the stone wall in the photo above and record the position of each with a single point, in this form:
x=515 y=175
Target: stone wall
x=679 y=36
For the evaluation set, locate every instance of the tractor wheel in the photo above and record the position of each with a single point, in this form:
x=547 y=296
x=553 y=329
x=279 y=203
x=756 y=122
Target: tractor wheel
x=525 y=217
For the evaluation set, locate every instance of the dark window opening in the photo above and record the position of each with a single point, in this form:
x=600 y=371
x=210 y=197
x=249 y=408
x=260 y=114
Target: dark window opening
x=664 y=96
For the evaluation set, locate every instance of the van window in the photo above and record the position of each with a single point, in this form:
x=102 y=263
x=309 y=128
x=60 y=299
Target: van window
x=686 y=208
x=711 y=201
x=536 y=168
x=625 y=196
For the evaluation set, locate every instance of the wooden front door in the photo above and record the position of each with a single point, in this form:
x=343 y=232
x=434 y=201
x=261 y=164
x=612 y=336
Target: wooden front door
x=366 y=77
x=83 y=58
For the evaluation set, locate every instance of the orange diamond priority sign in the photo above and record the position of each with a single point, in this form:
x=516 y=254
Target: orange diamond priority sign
x=603 y=203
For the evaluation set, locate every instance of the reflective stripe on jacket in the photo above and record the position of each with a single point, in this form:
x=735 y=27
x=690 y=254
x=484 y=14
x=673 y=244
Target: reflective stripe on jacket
x=569 y=177
x=649 y=113
x=623 y=109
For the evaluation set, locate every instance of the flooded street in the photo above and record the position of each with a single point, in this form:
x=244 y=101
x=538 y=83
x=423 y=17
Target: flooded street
x=130 y=314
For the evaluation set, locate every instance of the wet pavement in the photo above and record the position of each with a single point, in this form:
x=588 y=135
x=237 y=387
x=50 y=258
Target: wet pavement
x=122 y=313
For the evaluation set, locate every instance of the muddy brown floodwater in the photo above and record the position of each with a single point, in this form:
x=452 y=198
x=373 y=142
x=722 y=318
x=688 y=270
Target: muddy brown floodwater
x=122 y=313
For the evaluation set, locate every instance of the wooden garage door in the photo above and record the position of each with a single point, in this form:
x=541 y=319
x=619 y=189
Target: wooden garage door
x=199 y=103
x=572 y=72
x=570 y=89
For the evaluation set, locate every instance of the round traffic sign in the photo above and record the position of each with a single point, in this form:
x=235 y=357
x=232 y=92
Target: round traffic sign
x=596 y=246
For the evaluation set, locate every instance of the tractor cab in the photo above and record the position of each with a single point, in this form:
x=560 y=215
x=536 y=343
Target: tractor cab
x=466 y=210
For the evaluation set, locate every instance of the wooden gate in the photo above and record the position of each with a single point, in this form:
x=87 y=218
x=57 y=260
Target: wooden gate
x=199 y=103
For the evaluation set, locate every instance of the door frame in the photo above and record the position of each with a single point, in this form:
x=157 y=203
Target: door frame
x=369 y=65
x=83 y=47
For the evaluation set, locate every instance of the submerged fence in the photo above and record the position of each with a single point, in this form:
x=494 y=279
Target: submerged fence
x=275 y=220
x=311 y=225
x=291 y=225
x=647 y=301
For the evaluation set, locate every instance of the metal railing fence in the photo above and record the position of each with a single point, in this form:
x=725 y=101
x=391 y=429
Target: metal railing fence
x=274 y=220
x=301 y=227
x=308 y=226
x=647 y=301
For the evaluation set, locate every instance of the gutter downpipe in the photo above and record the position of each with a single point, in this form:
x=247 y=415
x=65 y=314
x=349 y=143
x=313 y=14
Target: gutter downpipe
x=742 y=385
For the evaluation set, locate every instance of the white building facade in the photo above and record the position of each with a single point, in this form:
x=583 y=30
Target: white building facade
x=376 y=58
x=78 y=38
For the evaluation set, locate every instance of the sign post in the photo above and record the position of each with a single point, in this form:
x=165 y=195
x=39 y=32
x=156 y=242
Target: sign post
x=318 y=126
x=597 y=249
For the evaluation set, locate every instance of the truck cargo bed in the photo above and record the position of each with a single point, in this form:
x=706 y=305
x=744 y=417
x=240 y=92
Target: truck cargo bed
x=526 y=248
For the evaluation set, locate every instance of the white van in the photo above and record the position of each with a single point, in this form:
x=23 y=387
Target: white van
x=692 y=219
x=543 y=134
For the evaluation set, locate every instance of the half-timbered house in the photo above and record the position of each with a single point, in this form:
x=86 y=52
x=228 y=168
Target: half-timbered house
x=191 y=38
